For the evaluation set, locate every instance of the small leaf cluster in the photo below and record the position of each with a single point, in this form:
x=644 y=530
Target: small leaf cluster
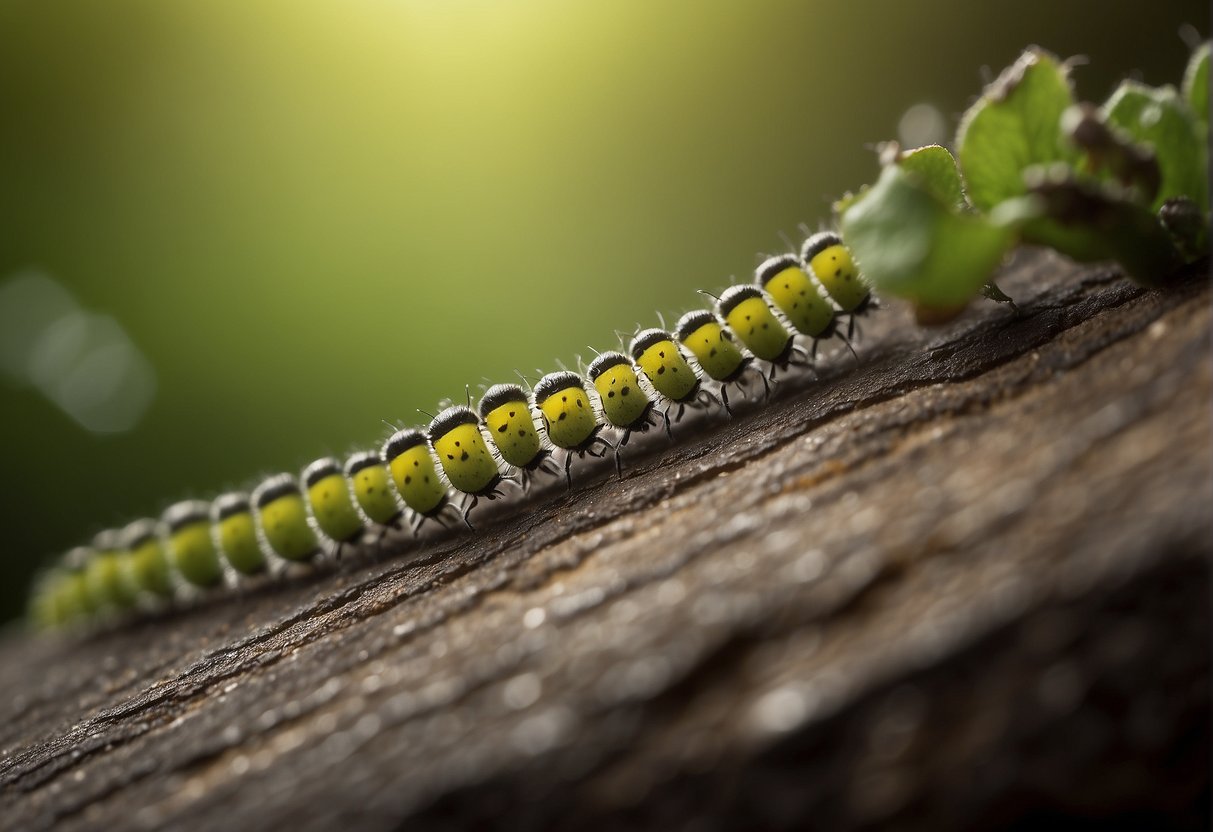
x=1126 y=181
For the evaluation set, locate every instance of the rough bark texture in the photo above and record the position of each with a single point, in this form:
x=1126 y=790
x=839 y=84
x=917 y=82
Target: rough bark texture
x=964 y=583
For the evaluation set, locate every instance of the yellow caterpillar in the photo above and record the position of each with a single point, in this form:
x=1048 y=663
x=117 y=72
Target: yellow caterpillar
x=465 y=455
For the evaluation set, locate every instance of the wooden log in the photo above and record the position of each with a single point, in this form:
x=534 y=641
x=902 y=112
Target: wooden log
x=963 y=583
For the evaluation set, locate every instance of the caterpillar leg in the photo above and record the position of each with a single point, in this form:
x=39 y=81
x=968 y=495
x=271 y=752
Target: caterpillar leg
x=598 y=440
x=568 y=464
x=627 y=434
x=494 y=491
x=467 y=511
x=798 y=356
x=419 y=522
x=707 y=398
x=544 y=462
x=724 y=399
x=623 y=440
x=381 y=532
x=470 y=501
x=766 y=382
x=870 y=302
x=448 y=506
x=847 y=342
x=740 y=381
x=587 y=449
x=436 y=516
x=641 y=425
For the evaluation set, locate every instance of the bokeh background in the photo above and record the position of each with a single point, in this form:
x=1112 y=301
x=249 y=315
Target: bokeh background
x=237 y=236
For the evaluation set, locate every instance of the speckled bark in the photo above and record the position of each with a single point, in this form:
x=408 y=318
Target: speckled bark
x=963 y=584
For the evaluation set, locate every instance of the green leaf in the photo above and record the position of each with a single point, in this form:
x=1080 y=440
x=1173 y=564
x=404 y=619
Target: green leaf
x=1014 y=125
x=909 y=243
x=1185 y=222
x=1091 y=221
x=846 y=200
x=1110 y=153
x=1196 y=86
x=936 y=170
x=1159 y=118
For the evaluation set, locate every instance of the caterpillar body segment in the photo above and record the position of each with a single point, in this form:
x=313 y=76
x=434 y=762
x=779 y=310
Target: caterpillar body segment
x=235 y=533
x=149 y=566
x=188 y=542
x=716 y=352
x=465 y=457
x=798 y=299
x=371 y=484
x=657 y=354
x=505 y=412
x=48 y=607
x=745 y=311
x=109 y=580
x=659 y=358
x=622 y=400
x=748 y=313
x=795 y=294
x=282 y=520
x=61 y=597
x=568 y=417
x=411 y=465
x=831 y=263
x=564 y=406
x=327 y=494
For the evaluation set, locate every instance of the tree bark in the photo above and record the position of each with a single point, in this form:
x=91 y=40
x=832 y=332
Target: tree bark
x=963 y=582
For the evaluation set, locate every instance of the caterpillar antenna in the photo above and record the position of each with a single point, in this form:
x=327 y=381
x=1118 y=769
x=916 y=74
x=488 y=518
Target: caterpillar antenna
x=787 y=241
x=526 y=382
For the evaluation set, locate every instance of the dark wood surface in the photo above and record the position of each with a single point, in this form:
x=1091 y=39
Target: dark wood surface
x=964 y=583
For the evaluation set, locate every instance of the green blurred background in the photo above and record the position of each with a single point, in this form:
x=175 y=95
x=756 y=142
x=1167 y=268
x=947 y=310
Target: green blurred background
x=308 y=217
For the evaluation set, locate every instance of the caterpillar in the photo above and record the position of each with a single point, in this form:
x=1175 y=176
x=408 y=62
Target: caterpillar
x=514 y=442
x=931 y=230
